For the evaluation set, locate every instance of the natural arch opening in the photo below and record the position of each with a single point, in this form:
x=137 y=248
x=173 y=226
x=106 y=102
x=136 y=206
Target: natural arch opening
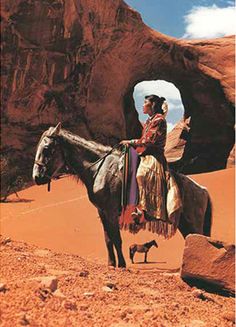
x=164 y=89
x=176 y=140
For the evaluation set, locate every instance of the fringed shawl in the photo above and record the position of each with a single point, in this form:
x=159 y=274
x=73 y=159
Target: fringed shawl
x=156 y=193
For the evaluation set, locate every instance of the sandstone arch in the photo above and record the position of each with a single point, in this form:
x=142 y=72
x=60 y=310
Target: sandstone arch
x=77 y=61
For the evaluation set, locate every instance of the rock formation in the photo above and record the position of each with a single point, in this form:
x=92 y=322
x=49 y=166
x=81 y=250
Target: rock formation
x=77 y=61
x=209 y=261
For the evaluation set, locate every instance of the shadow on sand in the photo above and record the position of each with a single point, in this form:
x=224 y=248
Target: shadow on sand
x=149 y=262
x=209 y=287
x=16 y=200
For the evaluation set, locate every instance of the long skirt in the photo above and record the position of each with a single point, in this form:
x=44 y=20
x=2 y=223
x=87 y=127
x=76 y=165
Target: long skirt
x=152 y=184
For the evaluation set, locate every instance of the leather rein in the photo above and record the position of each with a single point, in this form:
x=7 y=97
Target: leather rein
x=42 y=164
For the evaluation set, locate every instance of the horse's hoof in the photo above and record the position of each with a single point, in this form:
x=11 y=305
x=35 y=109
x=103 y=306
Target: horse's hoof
x=110 y=267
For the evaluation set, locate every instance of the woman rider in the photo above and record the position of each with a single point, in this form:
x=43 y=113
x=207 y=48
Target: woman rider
x=151 y=174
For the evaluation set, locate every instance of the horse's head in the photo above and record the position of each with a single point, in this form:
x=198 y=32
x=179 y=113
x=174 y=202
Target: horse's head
x=155 y=243
x=49 y=157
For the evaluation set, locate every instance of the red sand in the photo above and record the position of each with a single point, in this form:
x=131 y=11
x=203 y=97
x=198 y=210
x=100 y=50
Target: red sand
x=64 y=220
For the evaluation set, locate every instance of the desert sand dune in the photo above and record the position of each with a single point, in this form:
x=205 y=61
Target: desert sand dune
x=64 y=220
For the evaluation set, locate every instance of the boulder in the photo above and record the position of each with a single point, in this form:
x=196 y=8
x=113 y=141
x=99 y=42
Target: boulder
x=49 y=282
x=209 y=261
x=78 y=62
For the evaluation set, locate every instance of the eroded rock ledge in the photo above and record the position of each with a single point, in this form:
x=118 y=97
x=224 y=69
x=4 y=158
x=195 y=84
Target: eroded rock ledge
x=77 y=61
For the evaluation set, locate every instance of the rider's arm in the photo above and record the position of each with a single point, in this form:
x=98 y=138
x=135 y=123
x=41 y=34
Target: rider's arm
x=151 y=136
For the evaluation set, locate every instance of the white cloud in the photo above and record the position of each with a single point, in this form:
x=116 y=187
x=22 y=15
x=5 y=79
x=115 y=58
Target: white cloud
x=210 y=22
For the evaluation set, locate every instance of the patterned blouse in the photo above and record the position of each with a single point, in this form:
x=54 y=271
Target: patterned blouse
x=153 y=137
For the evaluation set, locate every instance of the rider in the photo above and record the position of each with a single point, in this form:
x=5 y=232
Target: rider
x=151 y=174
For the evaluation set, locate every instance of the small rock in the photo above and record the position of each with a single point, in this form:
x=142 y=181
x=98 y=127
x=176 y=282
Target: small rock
x=111 y=285
x=59 y=294
x=197 y=293
x=42 y=253
x=24 y=320
x=84 y=273
x=196 y=323
x=68 y=279
x=107 y=289
x=229 y=315
x=166 y=274
x=111 y=268
x=149 y=315
x=3 y=287
x=89 y=294
x=83 y=307
x=123 y=315
x=43 y=293
x=70 y=305
x=201 y=295
x=49 y=282
x=6 y=240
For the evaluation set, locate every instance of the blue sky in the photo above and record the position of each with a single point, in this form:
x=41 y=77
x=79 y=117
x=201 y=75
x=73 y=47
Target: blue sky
x=181 y=19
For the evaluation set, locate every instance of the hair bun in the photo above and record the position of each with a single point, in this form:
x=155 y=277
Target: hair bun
x=164 y=108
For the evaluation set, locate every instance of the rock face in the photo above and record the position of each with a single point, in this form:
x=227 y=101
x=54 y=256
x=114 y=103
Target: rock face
x=77 y=61
x=209 y=261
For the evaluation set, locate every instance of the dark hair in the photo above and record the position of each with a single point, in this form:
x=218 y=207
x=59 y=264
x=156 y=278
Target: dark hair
x=158 y=102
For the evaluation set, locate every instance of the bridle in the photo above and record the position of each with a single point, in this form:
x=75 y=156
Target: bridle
x=45 y=165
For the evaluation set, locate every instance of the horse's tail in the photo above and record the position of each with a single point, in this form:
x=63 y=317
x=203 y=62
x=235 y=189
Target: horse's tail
x=208 y=218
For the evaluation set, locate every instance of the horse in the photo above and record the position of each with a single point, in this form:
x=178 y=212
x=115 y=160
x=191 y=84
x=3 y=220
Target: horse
x=98 y=167
x=141 y=248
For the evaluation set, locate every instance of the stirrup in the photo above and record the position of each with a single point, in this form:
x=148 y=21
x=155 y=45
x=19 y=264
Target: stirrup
x=136 y=214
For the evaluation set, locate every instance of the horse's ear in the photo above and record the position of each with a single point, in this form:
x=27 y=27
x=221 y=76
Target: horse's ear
x=56 y=130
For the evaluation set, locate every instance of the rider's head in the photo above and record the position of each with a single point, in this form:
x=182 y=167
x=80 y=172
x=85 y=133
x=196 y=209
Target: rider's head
x=156 y=103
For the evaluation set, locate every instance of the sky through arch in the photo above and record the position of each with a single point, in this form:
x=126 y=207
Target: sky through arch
x=162 y=89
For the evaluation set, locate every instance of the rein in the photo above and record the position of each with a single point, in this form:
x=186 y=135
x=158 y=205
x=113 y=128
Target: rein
x=42 y=164
x=116 y=146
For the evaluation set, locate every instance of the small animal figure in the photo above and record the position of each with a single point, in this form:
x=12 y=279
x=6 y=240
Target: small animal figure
x=142 y=248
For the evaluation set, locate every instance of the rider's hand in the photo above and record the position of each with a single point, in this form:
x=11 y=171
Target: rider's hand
x=125 y=142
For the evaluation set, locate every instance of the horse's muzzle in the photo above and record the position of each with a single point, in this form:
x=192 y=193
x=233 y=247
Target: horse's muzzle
x=41 y=180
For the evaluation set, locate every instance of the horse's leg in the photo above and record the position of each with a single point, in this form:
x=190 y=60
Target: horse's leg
x=184 y=226
x=131 y=254
x=118 y=245
x=145 y=257
x=187 y=228
x=207 y=219
x=108 y=240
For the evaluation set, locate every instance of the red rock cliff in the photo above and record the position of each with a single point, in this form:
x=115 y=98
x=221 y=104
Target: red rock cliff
x=77 y=61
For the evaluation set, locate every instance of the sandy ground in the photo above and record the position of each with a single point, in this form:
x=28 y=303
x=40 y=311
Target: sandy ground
x=64 y=221
x=84 y=294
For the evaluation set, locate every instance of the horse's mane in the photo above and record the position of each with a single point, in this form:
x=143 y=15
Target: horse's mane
x=73 y=139
x=148 y=243
x=76 y=140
